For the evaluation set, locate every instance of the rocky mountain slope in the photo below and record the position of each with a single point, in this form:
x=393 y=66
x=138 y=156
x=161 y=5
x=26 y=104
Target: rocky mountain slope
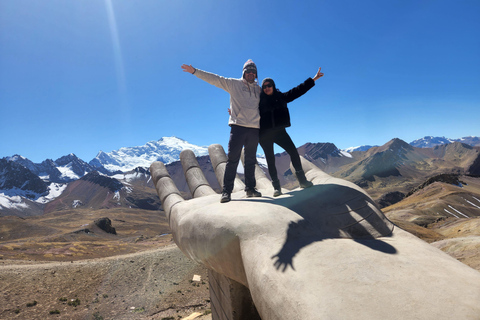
x=397 y=166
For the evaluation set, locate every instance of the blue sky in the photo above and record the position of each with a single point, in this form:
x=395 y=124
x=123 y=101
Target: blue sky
x=84 y=76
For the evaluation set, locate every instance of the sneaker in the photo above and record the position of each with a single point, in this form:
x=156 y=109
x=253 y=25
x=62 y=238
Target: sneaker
x=253 y=193
x=277 y=192
x=225 y=197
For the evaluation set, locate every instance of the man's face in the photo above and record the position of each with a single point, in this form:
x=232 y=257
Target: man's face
x=250 y=75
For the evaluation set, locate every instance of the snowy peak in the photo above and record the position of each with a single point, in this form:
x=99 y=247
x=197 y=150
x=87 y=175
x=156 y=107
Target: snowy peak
x=64 y=169
x=72 y=167
x=430 y=142
x=426 y=142
x=15 y=176
x=167 y=150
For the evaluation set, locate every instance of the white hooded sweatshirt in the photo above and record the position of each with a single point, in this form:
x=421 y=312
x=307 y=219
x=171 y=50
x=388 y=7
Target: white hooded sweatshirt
x=244 y=98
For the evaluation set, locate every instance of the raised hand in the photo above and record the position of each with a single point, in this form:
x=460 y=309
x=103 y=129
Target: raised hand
x=322 y=252
x=318 y=75
x=188 y=68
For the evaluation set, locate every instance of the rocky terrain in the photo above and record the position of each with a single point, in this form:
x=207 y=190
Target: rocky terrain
x=66 y=266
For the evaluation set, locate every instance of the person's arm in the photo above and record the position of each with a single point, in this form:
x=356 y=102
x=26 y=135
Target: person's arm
x=301 y=89
x=214 y=79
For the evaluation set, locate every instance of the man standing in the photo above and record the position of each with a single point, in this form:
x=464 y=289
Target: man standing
x=244 y=122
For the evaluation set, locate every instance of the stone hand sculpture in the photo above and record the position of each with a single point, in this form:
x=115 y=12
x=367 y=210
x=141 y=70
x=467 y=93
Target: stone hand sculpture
x=326 y=252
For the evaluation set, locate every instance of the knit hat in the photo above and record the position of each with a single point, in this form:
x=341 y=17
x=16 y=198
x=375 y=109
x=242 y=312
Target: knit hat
x=249 y=65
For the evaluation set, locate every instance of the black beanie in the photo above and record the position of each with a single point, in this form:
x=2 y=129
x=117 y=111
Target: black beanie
x=271 y=81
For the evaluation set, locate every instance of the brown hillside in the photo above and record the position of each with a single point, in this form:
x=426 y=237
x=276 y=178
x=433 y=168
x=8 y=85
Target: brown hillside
x=397 y=166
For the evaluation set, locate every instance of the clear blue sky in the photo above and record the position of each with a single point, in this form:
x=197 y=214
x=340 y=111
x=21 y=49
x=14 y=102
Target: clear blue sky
x=84 y=76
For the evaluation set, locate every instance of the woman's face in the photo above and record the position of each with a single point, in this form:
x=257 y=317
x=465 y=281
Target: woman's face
x=267 y=88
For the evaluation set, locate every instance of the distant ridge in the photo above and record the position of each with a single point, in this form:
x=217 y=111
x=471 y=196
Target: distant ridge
x=426 y=142
x=430 y=142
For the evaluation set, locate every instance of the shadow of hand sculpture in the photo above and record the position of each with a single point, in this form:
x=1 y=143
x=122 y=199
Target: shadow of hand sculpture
x=346 y=258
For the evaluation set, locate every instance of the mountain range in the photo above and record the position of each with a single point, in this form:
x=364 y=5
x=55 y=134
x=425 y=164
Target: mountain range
x=121 y=178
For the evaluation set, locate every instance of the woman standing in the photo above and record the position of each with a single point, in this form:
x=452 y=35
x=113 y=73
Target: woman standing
x=274 y=118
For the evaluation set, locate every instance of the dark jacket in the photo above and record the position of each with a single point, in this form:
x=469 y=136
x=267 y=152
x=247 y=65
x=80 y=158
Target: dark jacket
x=273 y=109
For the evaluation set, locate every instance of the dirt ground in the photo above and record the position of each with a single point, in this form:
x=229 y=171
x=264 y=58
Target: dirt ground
x=153 y=284
x=62 y=266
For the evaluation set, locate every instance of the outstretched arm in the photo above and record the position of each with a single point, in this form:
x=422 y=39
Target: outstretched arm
x=214 y=79
x=301 y=89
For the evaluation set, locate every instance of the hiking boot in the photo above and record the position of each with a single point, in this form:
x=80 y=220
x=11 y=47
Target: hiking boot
x=306 y=184
x=253 y=193
x=278 y=190
x=302 y=180
x=225 y=197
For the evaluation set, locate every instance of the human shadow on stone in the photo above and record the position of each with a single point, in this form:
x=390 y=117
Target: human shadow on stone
x=331 y=211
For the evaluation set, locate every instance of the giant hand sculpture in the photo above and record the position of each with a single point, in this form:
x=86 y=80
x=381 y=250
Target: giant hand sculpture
x=326 y=252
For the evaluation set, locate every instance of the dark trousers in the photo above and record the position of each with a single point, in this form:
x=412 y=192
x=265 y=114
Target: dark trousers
x=280 y=137
x=241 y=137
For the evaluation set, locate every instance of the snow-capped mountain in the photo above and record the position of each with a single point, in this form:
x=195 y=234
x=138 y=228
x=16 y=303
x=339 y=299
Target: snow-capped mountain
x=72 y=168
x=426 y=142
x=27 y=186
x=430 y=142
x=22 y=190
x=65 y=169
x=167 y=150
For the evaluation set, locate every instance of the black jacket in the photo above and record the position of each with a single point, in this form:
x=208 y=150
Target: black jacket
x=273 y=109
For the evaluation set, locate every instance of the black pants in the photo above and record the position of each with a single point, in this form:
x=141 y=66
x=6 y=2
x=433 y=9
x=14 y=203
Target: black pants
x=279 y=136
x=241 y=137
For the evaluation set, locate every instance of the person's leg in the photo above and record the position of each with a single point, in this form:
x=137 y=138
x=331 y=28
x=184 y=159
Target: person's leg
x=266 y=142
x=251 y=143
x=267 y=145
x=235 y=145
x=284 y=141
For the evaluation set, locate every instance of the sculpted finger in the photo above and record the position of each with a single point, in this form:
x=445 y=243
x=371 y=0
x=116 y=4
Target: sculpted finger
x=219 y=162
x=197 y=183
x=166 y=189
